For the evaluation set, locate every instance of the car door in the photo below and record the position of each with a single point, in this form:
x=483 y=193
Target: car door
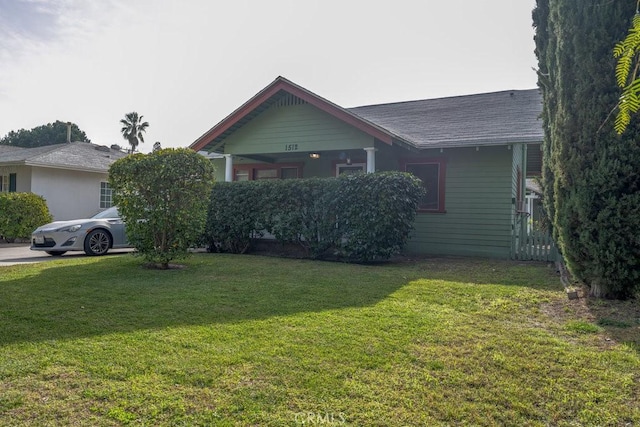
x=118 y=232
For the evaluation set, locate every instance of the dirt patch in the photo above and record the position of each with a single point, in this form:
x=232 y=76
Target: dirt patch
x=619 y=320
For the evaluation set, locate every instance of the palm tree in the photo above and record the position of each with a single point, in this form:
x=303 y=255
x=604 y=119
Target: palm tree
x=132 y=129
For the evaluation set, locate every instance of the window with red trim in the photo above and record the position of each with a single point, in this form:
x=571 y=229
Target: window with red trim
x=254 y=172
x=432 y=173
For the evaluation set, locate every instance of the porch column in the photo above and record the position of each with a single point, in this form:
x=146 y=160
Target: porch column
x=228 y=168
x=371 y=159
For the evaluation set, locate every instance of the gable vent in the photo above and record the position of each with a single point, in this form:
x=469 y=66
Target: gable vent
x=288 y=100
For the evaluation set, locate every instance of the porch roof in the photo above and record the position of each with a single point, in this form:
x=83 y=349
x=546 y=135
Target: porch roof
x=496 y=118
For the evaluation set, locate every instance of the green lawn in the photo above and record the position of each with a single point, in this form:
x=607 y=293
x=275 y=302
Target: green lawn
x=250 y=340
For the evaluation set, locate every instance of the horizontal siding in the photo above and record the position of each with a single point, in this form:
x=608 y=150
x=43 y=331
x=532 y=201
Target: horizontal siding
x=478 y=193
x=303 y=128
x=479 y=183
x=458 y=250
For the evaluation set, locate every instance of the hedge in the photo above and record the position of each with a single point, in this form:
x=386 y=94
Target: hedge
x=20 y=214
x=355 y=218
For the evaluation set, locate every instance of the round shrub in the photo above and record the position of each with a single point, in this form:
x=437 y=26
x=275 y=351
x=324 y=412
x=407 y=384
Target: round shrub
x=20 y=214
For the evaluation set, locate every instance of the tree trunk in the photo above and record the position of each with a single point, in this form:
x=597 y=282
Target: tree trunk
x=597 y=290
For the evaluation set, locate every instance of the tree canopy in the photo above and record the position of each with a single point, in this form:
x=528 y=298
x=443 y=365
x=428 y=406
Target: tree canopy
x=49 y=134
x=133 y=129
x=627 y=52
x=590 y=172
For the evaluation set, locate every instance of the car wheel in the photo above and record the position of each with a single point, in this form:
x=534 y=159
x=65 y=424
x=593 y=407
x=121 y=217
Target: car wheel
x=97 y=242
x=56 y=253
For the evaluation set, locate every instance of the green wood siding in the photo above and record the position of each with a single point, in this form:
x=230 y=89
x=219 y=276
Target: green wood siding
x=478 y=196
x=480 y=185
x=295 y=128
x=219 y=165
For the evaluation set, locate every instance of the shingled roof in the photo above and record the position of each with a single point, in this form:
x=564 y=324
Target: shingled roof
x=76 y=156
x=495 y=118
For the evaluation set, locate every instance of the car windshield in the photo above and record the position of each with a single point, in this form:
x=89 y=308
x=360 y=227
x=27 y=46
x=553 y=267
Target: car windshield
x=112 y=212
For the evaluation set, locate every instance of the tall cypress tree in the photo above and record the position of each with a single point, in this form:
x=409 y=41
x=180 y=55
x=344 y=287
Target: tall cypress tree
x=591 y=174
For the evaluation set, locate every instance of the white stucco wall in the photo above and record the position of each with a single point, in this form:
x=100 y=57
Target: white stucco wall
x=69 y=194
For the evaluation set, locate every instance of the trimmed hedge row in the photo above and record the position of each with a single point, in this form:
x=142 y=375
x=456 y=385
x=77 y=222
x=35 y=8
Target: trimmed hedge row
x=357 y=218
x=20 y=214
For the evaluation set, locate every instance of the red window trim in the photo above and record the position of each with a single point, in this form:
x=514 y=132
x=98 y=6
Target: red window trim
x=442 y=172
x=252 y=167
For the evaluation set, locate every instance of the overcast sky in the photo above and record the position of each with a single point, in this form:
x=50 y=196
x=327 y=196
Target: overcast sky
x=186 y=64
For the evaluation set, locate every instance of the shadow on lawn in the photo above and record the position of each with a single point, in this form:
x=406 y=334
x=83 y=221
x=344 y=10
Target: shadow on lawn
x=117 y=294
x=110 y=295
x=619 y=319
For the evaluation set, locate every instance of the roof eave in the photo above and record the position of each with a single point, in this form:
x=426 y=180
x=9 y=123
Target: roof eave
x=66 y=167
x=479 y=143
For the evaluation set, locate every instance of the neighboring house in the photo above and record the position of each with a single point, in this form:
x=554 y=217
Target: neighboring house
x=470 y=152
x=72 y=177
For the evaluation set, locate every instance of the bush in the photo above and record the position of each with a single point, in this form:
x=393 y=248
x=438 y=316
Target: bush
x=359 y=218
x=232 y=221
x=376 y=213
x=20 y=214
x=162 y=197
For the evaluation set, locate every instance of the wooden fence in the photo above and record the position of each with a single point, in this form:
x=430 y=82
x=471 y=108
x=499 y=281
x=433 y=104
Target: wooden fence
x=536 y=245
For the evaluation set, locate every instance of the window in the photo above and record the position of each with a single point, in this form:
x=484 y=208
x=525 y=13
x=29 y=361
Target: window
x=242 y=175
x=106 y=199
x=346 y=168
x=8 y=183
x=432 y=174
x=266 y=174
x=253 y=172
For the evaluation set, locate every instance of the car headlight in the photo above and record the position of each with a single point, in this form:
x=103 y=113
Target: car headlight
x=70 y=228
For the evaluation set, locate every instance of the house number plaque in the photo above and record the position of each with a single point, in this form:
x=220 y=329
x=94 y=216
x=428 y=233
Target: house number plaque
x=291 y=147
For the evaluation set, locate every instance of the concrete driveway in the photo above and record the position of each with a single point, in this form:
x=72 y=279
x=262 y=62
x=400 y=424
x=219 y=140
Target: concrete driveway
x=19 y=253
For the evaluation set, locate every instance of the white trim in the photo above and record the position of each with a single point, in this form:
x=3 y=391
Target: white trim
x=228 y=168
x=371 y=159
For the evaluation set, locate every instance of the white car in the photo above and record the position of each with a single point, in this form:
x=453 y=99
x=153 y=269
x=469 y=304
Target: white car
x=94 y=236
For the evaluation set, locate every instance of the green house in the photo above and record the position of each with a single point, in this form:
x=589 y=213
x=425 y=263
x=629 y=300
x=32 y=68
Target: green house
x=470 y=152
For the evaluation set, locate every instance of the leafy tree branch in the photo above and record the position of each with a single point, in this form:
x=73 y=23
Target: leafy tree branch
x=627 y=53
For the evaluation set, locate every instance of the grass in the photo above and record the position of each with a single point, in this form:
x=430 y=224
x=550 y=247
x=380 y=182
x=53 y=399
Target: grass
x=249 y=340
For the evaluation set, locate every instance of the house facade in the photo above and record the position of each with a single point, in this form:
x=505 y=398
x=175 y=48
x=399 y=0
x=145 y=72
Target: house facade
x=72 y=177
x=470 y=152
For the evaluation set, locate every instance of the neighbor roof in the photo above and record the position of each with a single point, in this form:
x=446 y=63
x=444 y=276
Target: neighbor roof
x=76 y=156
x=496 y=118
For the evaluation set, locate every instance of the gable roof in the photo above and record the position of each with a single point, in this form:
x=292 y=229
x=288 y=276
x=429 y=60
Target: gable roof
x=485 y=119
x=81 y=156
x=273 y=93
